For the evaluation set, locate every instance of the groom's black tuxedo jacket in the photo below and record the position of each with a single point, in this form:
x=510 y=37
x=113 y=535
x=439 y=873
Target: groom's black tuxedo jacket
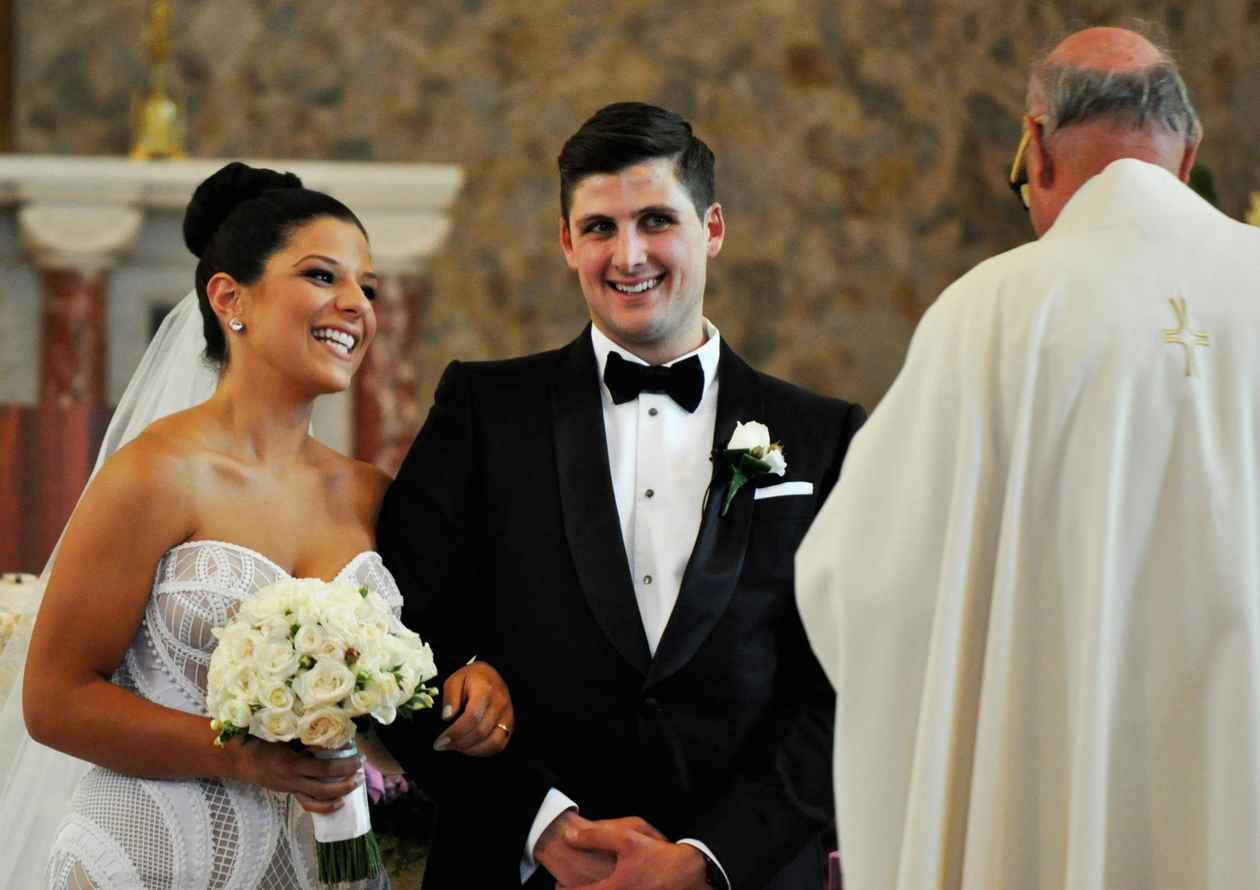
x=503 y=534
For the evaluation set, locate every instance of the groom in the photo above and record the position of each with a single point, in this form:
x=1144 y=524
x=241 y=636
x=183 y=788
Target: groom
x=560 y=518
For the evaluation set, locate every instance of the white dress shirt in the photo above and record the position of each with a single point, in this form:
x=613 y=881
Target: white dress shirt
x=658 y=457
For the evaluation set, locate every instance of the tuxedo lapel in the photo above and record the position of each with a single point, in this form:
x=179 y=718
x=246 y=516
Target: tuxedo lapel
x=588 y=504
x=718 y=555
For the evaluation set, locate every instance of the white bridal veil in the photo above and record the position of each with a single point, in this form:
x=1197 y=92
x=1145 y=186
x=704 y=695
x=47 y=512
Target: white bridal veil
x=36 y=782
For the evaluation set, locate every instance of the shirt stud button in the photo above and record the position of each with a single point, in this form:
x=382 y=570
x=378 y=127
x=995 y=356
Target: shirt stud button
x=649 y=493
x=652 y=412
x=647 y=579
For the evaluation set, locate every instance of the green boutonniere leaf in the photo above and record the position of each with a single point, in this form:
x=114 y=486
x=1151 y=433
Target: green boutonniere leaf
x=743 y=467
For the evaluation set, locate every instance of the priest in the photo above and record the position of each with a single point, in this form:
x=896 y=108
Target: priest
x=1036 y=587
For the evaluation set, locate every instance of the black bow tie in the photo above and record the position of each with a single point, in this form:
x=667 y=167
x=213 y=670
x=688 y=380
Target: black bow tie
x=683 y=381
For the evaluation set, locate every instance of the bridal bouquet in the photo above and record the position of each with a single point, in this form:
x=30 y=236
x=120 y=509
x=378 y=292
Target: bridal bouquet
x=310 y=661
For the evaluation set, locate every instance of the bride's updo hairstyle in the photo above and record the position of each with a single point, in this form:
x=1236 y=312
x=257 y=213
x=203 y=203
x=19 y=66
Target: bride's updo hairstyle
x=236 y=220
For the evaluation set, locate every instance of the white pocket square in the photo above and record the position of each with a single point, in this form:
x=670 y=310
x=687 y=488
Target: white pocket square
x=783 y=489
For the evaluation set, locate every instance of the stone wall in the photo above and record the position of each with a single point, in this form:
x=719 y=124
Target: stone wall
x=862 y=144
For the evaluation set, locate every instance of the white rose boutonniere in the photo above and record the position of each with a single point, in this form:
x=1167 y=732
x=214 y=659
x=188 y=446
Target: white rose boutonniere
x=750 y=453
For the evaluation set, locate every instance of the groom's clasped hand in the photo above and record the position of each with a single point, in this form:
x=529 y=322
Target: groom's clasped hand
x=617 y=854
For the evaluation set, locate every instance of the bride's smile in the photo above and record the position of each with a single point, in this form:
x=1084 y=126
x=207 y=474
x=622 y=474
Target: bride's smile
x=341 y=342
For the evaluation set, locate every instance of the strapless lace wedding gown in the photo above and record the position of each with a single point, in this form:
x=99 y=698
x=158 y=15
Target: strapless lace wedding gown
x=191 y=834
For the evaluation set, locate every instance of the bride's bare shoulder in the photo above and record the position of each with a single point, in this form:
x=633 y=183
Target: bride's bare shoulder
x=364 y=482
x=165 y=454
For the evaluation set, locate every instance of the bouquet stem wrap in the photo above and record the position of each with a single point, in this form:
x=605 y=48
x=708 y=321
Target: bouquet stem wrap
x=346 y=848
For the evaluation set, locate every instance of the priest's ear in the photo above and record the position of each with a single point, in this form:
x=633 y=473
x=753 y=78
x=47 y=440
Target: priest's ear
x=1038 y=161
x=1192 y=149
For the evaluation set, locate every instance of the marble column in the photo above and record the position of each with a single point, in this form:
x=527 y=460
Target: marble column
x=386 y=405
x=74 y=247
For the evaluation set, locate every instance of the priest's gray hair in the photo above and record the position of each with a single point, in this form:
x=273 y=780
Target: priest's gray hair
x=1135 y=99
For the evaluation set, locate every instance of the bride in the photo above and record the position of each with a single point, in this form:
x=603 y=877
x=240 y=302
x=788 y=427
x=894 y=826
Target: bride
x=199 y=511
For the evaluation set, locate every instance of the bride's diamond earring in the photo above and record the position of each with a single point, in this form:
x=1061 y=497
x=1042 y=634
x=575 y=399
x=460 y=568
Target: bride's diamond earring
x=237 y=325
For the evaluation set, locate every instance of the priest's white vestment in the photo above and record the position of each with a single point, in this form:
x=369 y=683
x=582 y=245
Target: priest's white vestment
x=1036 y=587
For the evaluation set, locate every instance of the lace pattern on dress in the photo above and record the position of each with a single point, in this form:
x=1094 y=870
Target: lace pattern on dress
x=125 y=831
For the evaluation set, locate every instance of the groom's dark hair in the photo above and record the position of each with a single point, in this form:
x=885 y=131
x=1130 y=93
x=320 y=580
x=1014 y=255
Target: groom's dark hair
x=627 y=133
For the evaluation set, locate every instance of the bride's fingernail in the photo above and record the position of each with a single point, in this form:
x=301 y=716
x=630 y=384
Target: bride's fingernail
x=447 y=712
x=441 y=744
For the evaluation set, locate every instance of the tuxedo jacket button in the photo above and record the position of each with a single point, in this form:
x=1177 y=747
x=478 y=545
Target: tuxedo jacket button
x=649 y=707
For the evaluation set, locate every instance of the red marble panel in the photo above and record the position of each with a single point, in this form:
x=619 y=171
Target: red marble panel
x=72 y=366
x=46 y=456
x=386 y=410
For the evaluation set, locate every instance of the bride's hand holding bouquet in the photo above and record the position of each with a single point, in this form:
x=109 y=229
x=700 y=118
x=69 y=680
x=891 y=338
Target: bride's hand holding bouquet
x=310 y=662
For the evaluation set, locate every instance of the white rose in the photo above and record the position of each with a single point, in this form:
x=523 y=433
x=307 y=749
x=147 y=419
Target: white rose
x=241 y=644
x=385 y=713
x=220 y=669
x=420 y=660
x=274 y=628
x=270 y=602
x=235 y=711
x=343 y=592
x=274 y=724
x=277 y=696
x=243 y=683
x=307 y=608
x=778 y=463
x=374 y=661
x=309 y=639
x=277 y=659
x=749 y=435
x=371 y=634
x=326 y=683
x=424 y=662
x=325 y=728
x=401 y=686
x=333 y=647
x=365 y=701
x=339 y=620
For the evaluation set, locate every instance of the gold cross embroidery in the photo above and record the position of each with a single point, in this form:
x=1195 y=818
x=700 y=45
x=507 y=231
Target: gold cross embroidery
x=1178 y=335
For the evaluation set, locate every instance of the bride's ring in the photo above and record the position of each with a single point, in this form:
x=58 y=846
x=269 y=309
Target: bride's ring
x=507 y=730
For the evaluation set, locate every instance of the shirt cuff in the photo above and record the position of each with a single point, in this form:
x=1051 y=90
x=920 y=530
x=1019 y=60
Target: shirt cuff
x=555 y=803
x=703 y=848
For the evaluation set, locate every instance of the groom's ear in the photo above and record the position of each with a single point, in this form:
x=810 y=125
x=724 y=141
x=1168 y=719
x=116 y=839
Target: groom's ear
x=224 y=295
x=566 y=243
